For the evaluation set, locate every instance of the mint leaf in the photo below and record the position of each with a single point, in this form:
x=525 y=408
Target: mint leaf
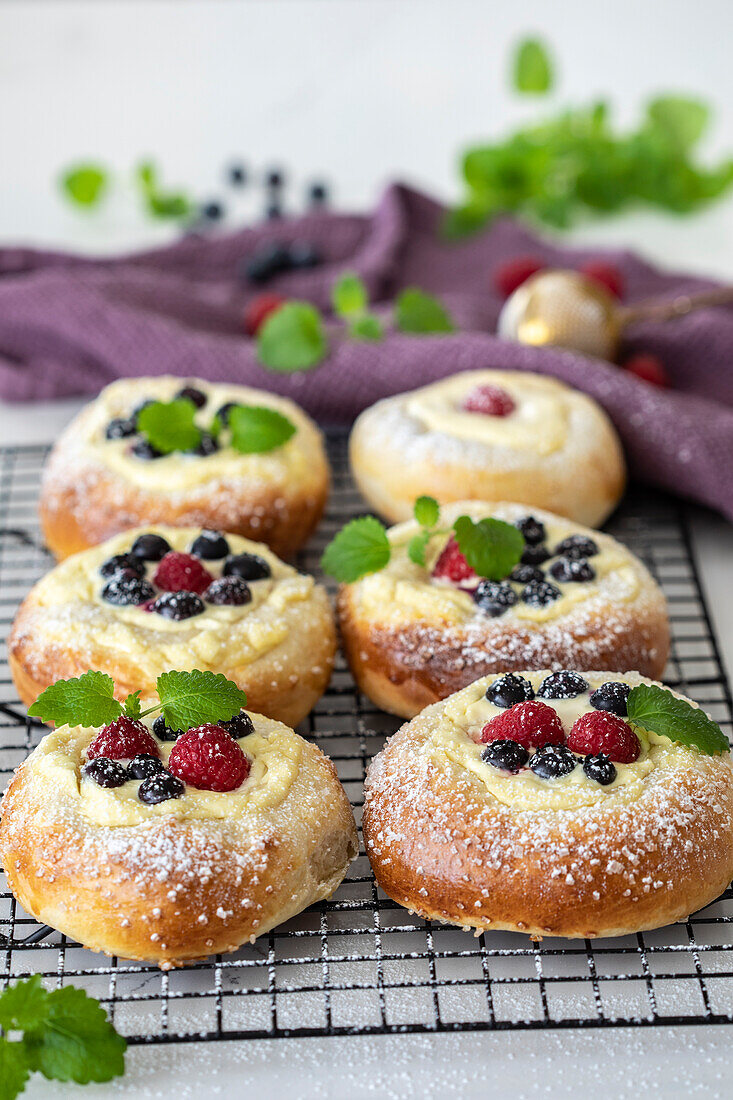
x=292 y=338
x=191 y=698
x=417 y=546
x=349 y=296
x=367 y=327
x=85 y=184
x=161 y=204
x=491 y=547
x=359 y=548
x=426 y=511
x=258 y=429
x=24 y=1004
x=170 y=425
x=532 y=71
x=87 y=700
x=683 y=120
x=14 y=1069
x=416 y=311
x=132 y=705
x=657 y=710
x=76 y=1041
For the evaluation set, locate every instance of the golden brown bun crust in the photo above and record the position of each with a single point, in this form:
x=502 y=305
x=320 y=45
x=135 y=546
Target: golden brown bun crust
x=173 y=891
x=445 y=849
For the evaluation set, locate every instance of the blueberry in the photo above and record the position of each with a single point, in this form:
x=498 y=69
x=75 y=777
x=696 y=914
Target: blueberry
x=250 y=567
x=127 y=588
x=576 y=547
x=107 y=773
x=143 y=766
x=612 y=696
x=508 y=690
x=523 y=574
x=303 y=254
x=119 y=563
x=562 y=685
x=273 y=211
x=552 y=761
x=237 y=175
x=206 y=446
x=509 y=756
x=190 y=393
x=274 y=178
x=540 y=593
x=494 y=597
x=163 y=732
x=532 y=529
x=178 y=605
x=569 y=570
x=159 y=788
x=139 y=408
x=224 y=411
x=150 y=547
x=318 y=193
x=535 y=555
x=120 y=429
x=228 y=591
x=210 y=545
x=143 y=449
x=599 y=768
x=266 y=263
x=212 y=211
x=241 y=725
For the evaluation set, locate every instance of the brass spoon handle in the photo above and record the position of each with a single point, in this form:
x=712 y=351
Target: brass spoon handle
x=675 y=307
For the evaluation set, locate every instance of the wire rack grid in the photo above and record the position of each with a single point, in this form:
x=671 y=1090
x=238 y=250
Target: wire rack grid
x=359 y=963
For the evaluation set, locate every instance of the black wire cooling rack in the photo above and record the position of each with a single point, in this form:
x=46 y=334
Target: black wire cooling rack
x=358 y=963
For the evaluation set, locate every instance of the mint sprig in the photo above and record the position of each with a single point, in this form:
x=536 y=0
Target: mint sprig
x=421 y=313
x=657 y=710
x=86 y=700
x=426 y=512
x=170 y=425
x=66 y=1036
x=350 y=301
x=532 y=69
x=160 y=203
x=191 y=698
x=256 y=430
x=85 y=184
x=491 y=547
x=293 y=338
x=361 y=547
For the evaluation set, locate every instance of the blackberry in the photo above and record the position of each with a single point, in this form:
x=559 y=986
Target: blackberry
x=600 y=768
x=318 y=194
x=150 y=547
x=159 y=788
x=553 y=761
x=145 y=450
x=212 y=211
x=562 y=685
x=127 y=588
x=523 y=574
x=274 y=178
x=119 y=563
x=612 y=696
x=105 y=772
x=178 y=605
x=267 y=262
x=120 y=429
x=535 y=555
x=569 y=570
x=223 y=413
x=273 y=211
x=509 y=689
x=494 y=597
x=250 y=567
x=303 y=254
x=540 y=593
x=163 y=732
x=509 y=756
x=241 y=725
x=237 y=175
x=228 y=592
x=210 y=545
x=206 y=446
x=190 y=393
x=576 y=547
x=532 y=529
x=143 y=766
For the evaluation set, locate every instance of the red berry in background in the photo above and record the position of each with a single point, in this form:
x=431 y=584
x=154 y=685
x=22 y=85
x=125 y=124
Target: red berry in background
x=123 y=739
x=209 y=758
x=182 y=573
x=531 y=724
x=490 y=400
x=606 y=274
x=452 y=566
x=258 y=310
x=649 y=368
x=601 y=731
x=510 y=275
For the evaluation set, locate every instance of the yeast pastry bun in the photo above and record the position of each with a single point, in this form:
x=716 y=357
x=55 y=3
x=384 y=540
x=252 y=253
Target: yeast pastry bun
x=456 y=839
x=184 y=878
x=413 y=636
x=279 y=646
x=490 y=435
x=94 y=487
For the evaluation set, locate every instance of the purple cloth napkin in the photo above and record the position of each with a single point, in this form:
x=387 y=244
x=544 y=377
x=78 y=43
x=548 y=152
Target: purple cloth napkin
x=69 y=325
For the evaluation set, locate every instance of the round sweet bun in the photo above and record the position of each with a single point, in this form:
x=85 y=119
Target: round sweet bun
x=411 y=640
x=557 y=449
x=455 y=839
x=188 y=877
x=93 y=487
x=279 y=648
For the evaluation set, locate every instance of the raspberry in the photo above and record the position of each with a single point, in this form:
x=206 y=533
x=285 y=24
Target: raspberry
x=602 y=732
x=489 y=400
x=258 y=310
x=209 y=758
x=606 y=274
x=649 y=368
x=122 y=740
x=182 y=573
x=452 y=566
x=531 y=724
x=510 y=275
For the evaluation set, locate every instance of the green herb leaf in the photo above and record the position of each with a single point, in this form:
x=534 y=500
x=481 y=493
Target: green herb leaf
x=367 y=327
x=359 y=548
x=161 y=204
x=85 y=184
x=532 y=67
x=683 y=120
x=491 y=547
x=23 y=1005
x=657 y=710
x=75 y=1041
x=416 y=311
x=292 y=338
x=191 y=698
x=87 y=700
x=258 y=429
x=14 y=1070
x=132 y=705
x=426 y=511
x=417 y=546
x=349 y=296
x=170 y=425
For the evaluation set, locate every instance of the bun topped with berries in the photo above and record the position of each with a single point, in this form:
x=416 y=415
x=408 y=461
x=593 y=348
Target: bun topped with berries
x=554 y=803
x=169 y=844
x=422 y=622
x=490 y=435
x=157 y=598
x=161 y=450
